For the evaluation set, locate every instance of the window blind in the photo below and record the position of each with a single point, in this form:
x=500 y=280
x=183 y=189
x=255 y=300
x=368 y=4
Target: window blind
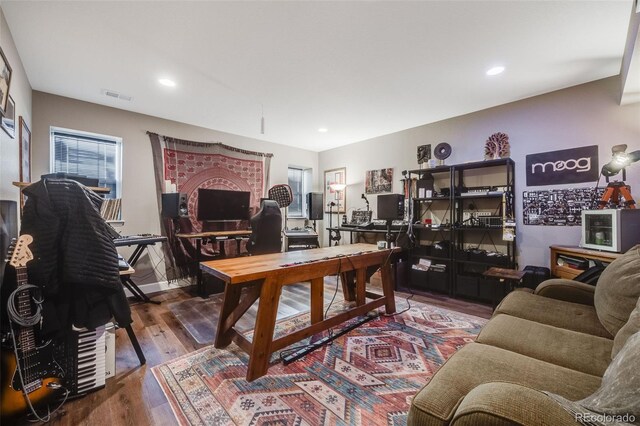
x=88 y=156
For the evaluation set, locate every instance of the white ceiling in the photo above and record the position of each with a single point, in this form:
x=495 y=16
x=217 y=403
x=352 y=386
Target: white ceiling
x=360 y=69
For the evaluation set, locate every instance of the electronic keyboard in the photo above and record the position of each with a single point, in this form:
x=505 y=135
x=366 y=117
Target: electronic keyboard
x=130 y=240
x=82 y=357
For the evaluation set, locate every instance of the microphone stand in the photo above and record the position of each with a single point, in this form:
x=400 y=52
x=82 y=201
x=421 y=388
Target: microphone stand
x=389 y=235
x=334 y=235
x=364 y=197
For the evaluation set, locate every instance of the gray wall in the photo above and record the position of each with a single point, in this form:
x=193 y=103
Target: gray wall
x=578 y=116
x=20 y=91
x=139 y=205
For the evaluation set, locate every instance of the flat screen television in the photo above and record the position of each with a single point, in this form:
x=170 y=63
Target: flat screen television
x=219 y=205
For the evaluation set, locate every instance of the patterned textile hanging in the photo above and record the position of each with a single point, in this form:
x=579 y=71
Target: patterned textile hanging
x=184 y=166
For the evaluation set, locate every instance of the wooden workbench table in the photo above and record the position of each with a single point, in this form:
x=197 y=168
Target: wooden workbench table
x=265 y=275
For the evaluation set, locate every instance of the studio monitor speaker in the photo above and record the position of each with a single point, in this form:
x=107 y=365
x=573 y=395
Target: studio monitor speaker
x=174 y=205
x=391 y=206
x=314 y=205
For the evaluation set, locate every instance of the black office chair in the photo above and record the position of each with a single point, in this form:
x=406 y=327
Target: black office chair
x=266 y=229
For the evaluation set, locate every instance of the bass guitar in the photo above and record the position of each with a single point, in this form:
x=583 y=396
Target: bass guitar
x=30 y=376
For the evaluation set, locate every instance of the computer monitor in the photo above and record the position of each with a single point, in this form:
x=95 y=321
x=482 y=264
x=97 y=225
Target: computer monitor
x=221 y=205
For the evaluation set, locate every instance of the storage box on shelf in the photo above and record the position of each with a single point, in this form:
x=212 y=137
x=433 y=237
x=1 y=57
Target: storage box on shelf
x=468 y=200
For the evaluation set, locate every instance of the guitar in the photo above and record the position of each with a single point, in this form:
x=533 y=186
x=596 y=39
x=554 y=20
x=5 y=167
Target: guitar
x=40 y=381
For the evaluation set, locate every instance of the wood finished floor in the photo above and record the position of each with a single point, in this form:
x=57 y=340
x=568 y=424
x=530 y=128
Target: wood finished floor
x=133 y=397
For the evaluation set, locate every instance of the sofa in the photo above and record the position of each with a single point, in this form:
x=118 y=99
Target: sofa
x=558 y=339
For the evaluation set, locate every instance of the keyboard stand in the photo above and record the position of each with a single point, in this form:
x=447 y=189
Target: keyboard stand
x=135 y=344
x=133 y=287
x=125 y=276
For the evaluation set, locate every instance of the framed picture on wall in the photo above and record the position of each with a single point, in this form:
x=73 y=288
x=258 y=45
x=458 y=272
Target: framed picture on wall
x=5 y=81
x=331 y=195
x=8 y=119
x=378 y=181
x=25 y=151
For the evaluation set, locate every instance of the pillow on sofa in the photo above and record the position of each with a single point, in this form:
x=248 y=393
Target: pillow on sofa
x=618 y=290
x=631 y=327
x=617 y=396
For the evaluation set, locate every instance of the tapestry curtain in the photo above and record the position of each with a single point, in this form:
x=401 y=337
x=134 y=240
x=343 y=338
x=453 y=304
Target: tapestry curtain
x=184 y=166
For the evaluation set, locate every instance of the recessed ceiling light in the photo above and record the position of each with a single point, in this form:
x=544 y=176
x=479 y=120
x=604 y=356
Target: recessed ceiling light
x=167 y=82
x=495 y=70
x=323 y=130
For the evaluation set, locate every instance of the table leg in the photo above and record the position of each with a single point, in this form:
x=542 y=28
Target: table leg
x=348 y=287
x=229 y=303
x=265 y=325
x=221 y=248
x=317 y=300
x=387 y=288
x=361 y=283
x=199 y=283
x=498 y=291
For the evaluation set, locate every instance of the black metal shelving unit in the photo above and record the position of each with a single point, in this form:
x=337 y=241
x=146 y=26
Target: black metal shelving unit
x=452 y=244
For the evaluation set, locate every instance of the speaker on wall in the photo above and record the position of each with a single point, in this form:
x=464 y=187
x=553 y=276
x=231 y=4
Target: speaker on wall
x=390 y=206
x=314 y=205
x=174 y=205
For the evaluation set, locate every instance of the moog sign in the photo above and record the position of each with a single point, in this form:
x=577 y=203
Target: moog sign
x=562 y=167
x=579 y=165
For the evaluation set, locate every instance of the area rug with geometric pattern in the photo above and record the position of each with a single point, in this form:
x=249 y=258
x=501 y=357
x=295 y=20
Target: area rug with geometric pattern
x=365 y=377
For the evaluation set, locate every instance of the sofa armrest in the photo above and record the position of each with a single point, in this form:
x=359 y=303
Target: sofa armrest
x=501 y=403
x=567 y=290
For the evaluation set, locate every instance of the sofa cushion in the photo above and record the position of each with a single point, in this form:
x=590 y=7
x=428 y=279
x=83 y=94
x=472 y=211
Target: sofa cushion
x=631 y=327
x=619 y=393
x=476 y=364
x=558 y=313
x=500 y=403
x=577 y=351
x=618 y=290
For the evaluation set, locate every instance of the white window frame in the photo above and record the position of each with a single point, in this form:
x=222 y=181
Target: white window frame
x=306 y=187
x=115 y=139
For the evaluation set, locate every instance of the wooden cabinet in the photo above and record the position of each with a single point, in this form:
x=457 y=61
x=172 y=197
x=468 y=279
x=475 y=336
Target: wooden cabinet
x=565 y=271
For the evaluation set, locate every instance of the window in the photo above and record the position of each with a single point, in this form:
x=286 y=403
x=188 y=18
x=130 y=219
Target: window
x=88 y=154
x=300 y=182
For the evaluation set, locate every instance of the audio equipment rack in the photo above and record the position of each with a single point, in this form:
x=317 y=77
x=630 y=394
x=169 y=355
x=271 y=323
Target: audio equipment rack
x=469 y=227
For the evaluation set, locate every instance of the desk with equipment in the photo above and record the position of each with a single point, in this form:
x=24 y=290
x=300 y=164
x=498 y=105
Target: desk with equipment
x=300 y=239
x=378 y=227
x=216 y=209
x=390 y=221
x=265 y=275
x=213 y=237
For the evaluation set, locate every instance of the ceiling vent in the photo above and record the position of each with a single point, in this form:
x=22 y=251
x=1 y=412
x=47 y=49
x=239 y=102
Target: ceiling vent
x=116 y=95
